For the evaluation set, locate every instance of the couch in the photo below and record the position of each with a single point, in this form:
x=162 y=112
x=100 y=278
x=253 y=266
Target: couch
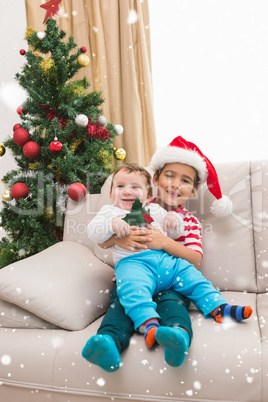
x=52 y=302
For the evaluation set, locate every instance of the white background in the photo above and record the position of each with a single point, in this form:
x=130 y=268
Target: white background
x=210 y=71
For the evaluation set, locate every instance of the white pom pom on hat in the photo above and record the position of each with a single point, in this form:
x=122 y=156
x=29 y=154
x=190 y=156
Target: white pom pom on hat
x=182 y=151
x=222 y=206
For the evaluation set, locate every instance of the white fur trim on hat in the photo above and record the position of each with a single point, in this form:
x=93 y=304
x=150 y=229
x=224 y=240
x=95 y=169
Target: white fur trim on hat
x=174 y=154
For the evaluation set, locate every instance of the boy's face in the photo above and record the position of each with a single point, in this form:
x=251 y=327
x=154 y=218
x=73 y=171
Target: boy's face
x=126 y=187
x=175 y=185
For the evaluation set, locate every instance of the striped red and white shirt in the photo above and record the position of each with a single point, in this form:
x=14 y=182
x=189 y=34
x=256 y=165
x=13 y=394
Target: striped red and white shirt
x=192 y=236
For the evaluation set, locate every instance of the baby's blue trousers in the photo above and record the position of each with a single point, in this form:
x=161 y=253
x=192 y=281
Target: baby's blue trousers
x=141 y=276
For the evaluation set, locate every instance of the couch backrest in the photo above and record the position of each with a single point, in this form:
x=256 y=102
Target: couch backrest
x=235 y=247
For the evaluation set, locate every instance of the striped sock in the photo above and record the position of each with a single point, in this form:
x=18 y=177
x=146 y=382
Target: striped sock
x=238 y=313
x=150 y=328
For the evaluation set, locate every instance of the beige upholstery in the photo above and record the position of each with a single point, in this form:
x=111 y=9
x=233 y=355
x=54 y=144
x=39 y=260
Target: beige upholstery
x=50 y=305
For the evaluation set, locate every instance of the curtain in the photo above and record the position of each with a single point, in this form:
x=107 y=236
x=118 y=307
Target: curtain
x=116 y=34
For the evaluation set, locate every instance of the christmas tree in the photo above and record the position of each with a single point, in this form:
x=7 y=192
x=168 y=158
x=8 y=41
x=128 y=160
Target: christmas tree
x=63 y=145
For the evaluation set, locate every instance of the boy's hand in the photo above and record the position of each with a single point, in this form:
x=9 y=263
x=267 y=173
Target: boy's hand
x=171 y=222
x=136 y=240
x=158 y=239
x=120 y=227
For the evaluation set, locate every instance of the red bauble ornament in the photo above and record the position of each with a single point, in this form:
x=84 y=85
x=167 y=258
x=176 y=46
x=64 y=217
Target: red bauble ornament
x=19 y=190
x=22 y=52
x=77 y=191
x=83 y=49
x=21 y=136
x=19 y=110
x=55 y=146
x=16 y=127
x=31 y=149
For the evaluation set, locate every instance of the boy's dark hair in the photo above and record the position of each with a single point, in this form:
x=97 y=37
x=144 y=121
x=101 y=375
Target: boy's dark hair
x=196 y=179
x=135 y=168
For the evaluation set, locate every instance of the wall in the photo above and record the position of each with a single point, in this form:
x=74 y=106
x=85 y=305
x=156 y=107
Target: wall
x=210 y=70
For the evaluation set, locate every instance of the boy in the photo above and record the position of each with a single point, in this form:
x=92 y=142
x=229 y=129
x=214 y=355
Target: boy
x=170 y=197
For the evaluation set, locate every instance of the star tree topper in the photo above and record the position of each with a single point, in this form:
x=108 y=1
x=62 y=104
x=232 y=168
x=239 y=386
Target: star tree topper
x=52 y=8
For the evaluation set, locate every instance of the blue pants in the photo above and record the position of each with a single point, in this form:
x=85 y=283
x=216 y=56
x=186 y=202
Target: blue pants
x=141 y=276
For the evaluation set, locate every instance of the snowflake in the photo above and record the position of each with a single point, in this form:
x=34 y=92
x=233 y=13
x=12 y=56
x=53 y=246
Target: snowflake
x=101 y=382
x=132 y=17
x=5 y=360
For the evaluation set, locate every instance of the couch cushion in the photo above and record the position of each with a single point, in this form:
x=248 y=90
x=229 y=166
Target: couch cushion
x=12 y=316
x=65 y=285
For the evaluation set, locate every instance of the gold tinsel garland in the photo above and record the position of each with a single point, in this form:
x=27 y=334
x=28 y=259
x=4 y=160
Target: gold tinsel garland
x=34 y=166
x=43 y=135
x=79 y=91
x=28 y=33
x=48 y=68
x=104 y=157
x=76 y=143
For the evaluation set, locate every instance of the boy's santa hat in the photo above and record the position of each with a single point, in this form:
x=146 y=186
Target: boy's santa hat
x=182 y=151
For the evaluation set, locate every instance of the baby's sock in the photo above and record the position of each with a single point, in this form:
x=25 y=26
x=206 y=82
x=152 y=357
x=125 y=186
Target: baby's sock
x=238 y=313
x=150 y=328
x=102 y=351
x=175 y=342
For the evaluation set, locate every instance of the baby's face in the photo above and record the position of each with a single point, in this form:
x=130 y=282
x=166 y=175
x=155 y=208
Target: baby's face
x=126 y=187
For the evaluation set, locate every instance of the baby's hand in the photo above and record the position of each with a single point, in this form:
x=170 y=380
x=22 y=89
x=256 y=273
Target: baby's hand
x=120 y=227
x=171 y=222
